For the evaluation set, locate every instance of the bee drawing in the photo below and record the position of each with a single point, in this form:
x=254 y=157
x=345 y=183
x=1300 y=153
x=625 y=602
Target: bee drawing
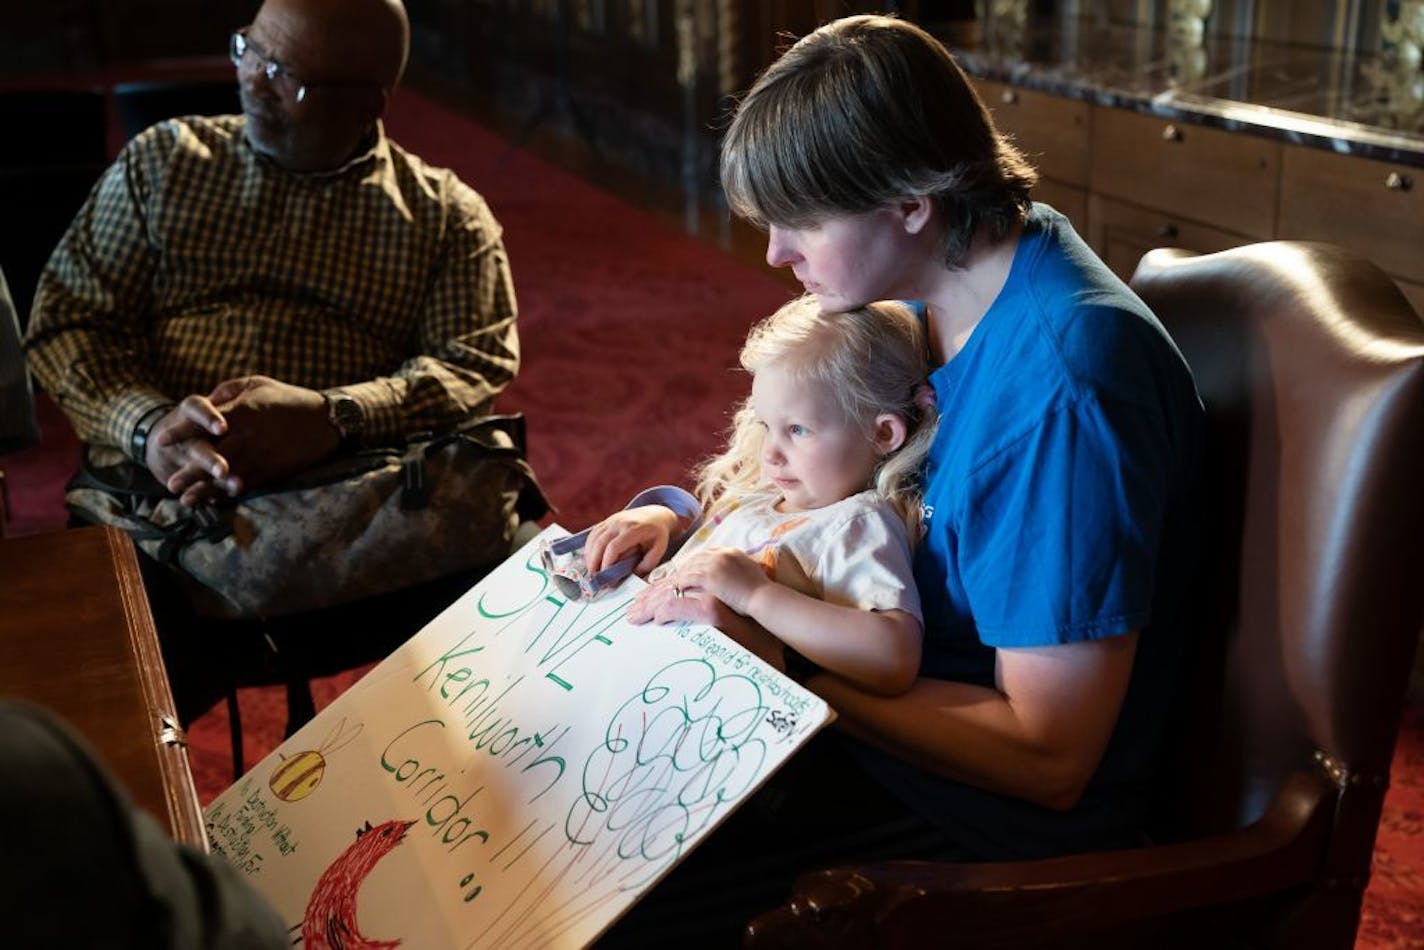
x=298 y=776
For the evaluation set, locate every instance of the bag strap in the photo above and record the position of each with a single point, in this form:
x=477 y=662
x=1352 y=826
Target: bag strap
x=485 y=434
x=126 y=479
x=132 y=486
x=206 y=522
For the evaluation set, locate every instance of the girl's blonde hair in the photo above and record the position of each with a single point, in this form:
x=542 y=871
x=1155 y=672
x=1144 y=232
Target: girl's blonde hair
x=872 y=359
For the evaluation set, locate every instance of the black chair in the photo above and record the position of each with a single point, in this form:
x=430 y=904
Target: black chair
x=292 y=651
x=44 y=182
x=141 y=104
x=210 y=659
x=57 y=126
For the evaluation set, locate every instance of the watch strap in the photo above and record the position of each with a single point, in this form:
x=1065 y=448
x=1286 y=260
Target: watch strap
x=138 y=439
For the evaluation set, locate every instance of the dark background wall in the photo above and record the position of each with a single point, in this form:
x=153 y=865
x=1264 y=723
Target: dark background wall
x=640 y=84
x=55 y=36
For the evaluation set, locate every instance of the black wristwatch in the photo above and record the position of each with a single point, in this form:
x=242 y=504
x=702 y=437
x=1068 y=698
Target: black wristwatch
x=138 y=440
x=347 y=418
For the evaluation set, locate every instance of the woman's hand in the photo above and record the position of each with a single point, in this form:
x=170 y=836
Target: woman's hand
x=647 y=530
x=730 y=575
x=666 y=602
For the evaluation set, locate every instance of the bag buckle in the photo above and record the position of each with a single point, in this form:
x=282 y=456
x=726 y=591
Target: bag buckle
x=415 y=490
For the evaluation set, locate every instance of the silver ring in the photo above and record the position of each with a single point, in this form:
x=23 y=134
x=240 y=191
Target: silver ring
x=676 y=591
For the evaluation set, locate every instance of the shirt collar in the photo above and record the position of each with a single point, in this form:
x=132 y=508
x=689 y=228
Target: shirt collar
x=375 y=150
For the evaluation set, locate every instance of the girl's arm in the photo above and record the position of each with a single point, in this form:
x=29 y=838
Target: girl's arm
x=878 y=651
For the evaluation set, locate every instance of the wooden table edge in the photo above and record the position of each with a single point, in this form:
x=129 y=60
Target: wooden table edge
x=170 y=742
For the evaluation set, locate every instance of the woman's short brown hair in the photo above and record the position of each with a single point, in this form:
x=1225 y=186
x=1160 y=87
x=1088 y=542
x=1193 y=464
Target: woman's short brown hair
x=862 y=112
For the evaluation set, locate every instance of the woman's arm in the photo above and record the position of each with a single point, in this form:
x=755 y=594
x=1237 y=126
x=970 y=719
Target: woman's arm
x=878 y=651
x=1039 y=736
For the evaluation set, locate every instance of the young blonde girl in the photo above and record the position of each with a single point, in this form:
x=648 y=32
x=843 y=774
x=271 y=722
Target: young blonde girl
x=810 y=511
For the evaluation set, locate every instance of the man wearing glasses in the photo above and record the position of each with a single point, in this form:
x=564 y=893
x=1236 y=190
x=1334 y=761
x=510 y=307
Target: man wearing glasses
x=242 y=296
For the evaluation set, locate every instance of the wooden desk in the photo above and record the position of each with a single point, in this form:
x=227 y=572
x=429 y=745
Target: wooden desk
x=76 y=636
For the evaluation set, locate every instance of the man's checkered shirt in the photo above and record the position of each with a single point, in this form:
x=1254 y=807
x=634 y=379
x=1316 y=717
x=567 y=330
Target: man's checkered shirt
x=196 y=260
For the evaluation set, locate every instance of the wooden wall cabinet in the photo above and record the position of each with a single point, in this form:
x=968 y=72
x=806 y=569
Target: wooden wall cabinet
x=1131 y=182
x=1218 y=178
x=1376 y=208
x=1122 y=232
x=1054 y=132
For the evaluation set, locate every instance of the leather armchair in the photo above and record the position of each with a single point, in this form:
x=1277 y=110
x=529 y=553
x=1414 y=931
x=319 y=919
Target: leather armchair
x=1311 y=367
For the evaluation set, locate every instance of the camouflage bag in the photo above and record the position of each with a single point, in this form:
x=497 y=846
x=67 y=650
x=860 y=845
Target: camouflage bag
x=358 y=525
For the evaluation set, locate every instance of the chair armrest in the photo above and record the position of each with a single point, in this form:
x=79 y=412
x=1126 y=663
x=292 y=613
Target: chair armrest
x=1039 y=903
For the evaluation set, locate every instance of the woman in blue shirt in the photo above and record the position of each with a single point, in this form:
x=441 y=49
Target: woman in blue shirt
x=1059 y=491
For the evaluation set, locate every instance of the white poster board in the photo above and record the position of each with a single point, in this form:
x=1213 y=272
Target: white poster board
x=527 y=766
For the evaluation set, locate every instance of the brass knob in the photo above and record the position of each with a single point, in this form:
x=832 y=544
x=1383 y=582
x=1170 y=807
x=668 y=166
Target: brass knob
x=1171 y=134
x=1394 y=181
x=1009 y=97
x=1168 y=231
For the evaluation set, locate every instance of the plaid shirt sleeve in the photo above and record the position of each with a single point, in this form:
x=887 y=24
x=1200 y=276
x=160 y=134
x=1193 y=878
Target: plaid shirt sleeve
x=87 y=341
x=468 y=340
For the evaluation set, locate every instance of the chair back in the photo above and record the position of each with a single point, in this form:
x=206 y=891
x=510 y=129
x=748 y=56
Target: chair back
x=1311 y=366
x=141 y=104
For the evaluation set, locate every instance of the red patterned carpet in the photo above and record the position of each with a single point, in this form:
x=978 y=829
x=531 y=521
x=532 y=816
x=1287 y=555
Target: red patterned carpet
x=628 y=328
x=1394 y=901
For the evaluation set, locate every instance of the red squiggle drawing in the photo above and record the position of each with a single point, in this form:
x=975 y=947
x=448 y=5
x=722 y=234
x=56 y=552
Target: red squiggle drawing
x=330 y=921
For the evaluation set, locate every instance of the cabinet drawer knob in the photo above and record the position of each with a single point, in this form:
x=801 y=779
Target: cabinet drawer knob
x=1394 y=181
x=1171 y=134
x=1008 y=97
x=1168 y=231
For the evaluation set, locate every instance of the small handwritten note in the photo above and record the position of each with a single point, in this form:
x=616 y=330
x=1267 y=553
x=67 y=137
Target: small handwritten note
x=516 y=775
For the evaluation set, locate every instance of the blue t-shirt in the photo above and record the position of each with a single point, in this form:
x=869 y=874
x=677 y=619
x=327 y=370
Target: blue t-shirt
x=1059 y=501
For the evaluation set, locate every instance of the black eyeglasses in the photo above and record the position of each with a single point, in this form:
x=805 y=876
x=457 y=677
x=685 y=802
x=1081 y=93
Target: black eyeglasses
x=242 y=50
